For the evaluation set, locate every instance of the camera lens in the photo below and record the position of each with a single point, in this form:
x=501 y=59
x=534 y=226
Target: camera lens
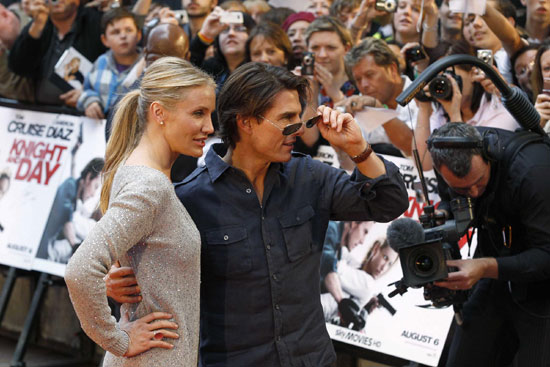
x=441 y=88
x=424 y=263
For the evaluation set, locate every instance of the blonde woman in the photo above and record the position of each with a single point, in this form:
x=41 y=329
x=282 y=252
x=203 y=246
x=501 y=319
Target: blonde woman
x=145 y=226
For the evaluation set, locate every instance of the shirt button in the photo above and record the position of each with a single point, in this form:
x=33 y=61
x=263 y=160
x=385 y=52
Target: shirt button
x=278 y=338
x=274 y=276
x=268 y=247
x=277 y=307
x=226 y=237
x=298 y=218
x=248 y=191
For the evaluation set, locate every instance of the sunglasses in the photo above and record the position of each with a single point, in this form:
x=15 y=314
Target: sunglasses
x=293 y=128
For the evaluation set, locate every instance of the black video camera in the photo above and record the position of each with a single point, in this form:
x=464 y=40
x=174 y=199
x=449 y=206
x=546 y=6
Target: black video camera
x=425 y=263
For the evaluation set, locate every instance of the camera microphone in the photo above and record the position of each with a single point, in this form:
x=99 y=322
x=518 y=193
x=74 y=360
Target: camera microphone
x=404 y=232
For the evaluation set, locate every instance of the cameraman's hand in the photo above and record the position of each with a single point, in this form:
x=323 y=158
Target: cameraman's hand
x=452 y=107
x=122 y=285
x=147 y=332
x=470 y=271
x=212 y=26
x=356 y=103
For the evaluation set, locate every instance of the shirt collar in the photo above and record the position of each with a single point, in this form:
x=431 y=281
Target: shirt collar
x=217 y=166
x=214 y=162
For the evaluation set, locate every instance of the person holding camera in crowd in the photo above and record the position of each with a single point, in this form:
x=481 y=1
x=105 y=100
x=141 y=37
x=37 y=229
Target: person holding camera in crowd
x=295 y=27
x=507 y=316
x=263 y=212
x=469 y=97
x=375 y=69
x=56 y=27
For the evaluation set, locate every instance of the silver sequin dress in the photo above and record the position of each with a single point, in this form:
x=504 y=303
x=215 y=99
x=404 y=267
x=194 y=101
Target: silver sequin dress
x=147 y=228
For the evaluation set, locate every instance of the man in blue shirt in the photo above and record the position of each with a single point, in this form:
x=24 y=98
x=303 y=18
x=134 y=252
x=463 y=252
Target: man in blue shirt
x=263 y=212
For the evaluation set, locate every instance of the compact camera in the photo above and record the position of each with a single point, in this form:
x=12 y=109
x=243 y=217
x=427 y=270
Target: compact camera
x=181 y=16
x=441 y=87
x=232 y=17
x=485 y=56
x=414 y=54
x=389 y=6
x=308 y=63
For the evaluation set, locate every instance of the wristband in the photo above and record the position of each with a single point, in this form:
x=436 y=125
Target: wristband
x=363 y=156
x=205 y=39
x=427 y=28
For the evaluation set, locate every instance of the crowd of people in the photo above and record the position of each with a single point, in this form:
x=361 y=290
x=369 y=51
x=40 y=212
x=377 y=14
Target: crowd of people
x=218 y=95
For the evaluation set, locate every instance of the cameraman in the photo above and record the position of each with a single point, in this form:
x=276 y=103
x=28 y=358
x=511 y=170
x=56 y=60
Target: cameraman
x=507 y=317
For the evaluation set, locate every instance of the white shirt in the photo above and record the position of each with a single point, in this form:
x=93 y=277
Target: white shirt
x=489 y=114
x=407 y=114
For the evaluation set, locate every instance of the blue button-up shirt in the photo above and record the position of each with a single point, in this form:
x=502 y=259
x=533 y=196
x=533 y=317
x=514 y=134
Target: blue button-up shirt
x=260 y=303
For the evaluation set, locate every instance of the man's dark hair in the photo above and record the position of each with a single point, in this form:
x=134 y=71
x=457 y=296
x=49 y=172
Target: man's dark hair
x=93 y=168
x=249 y=92
x=115 y=14
x=457 y=160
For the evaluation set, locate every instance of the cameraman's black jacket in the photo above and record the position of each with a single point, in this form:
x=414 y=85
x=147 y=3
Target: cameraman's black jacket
x=512 y=218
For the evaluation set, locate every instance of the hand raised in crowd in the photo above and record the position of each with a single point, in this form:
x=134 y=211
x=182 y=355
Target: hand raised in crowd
x=147 y=332
x=341 y=130
x=212 y=26
x=542 y=105
x=452 y=107
x=365 y=15
x=167 y=15
x=355 y=104
x=71 y=97
x=329 y=82
x=419 y=65
x=39 y=11
x=485 y=82
x=94 y=111
x=121 y=284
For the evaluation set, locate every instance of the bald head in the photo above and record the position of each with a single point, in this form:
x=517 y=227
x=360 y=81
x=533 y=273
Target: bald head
x=166 y=40
x=9 y=27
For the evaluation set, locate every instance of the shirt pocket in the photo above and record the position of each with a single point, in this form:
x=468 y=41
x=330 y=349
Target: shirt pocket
x=228 y=251
x=296 y=228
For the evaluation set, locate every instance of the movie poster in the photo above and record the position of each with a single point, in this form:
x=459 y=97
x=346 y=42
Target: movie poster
x=34 y=148
x=74 y=208
x=359 y=270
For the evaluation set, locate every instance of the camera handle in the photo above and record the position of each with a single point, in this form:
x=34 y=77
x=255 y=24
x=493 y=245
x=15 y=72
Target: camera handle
x=512 y=97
